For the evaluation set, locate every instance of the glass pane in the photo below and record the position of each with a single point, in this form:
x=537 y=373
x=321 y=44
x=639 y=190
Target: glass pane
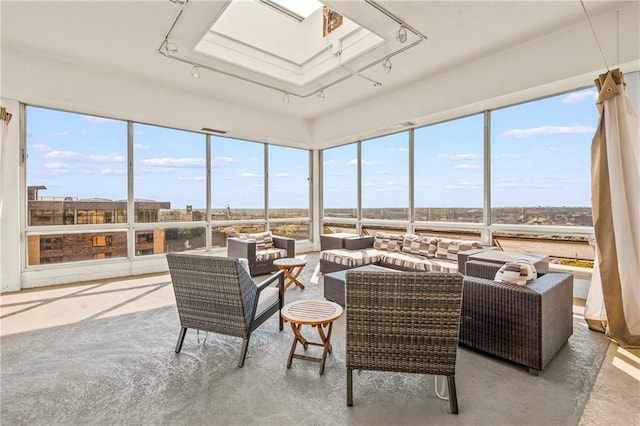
x=449 y=171
x=62 y=248
x=339 y=228
x=372 y=229
x=237 y=179
x=298 y=231
x=166 y=240
x=570 y=251
x=219 y=234
x=288 y=182
x=385 y=177
x=541 y=161
x=460 y=235
x=340 y=181
x=76 y=168
x=170 y=182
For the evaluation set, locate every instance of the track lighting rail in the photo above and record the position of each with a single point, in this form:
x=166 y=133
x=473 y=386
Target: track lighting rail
x=170 y=51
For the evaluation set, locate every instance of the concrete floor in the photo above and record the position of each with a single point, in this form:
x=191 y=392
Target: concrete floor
x=102 y=353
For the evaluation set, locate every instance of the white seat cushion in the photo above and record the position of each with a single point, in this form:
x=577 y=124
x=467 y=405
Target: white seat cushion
x=268 y=297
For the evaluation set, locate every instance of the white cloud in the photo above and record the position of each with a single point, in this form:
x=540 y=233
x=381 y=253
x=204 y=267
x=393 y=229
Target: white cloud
x=55 y=165
x=464 y=186
x=174 y=162
x=523 y=184
x=153 y=170
x=548 y=130
x=354 y=162
x=383 y=172
x=141 y=146
x=58 y=134
x=423 y=184
x=282 y=175
x=398 y=149
x=337 y=174
x=459 y=157
x=467 y=166
x=109 y=171
x=249 y=175
x=221 y=161
x=85 y=158
x=193 y=178
x=580 y=96
x=96 y=120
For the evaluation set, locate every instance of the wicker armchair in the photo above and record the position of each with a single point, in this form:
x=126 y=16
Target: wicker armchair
x=404 y=322
x=527 y=324
x=217 y=294
x=261 y=249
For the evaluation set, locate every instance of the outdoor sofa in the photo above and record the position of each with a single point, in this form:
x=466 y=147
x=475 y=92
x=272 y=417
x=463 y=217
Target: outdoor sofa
x=408 y=252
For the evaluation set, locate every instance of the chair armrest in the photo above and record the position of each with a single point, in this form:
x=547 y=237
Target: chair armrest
x=237 y=247
x=289 y=244
x=358 y=243
x=266 y=283
x=486 y=270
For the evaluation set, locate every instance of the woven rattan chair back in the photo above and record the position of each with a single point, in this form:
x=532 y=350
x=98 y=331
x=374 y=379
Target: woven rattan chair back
x=403 y=322
x=215 y=294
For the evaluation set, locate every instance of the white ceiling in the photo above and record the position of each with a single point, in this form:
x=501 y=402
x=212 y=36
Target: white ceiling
x=123 y=38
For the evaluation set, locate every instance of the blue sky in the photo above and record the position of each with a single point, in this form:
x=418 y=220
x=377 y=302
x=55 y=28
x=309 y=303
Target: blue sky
x=540 y=156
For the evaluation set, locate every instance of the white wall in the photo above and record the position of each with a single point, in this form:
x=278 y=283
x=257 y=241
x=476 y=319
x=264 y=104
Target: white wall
x=52 y=83
x=10 y=220
x=561 y=61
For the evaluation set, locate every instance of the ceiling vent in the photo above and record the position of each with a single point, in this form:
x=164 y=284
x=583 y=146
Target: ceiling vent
x=403 y=125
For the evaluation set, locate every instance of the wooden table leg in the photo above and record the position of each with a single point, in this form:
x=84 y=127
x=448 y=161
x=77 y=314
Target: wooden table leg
x=326 y=340
x=296 y=338
x=291 y=275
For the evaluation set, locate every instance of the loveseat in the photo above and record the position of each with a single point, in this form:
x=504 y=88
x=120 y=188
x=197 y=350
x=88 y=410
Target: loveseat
x=406 y=252
x=261 y=249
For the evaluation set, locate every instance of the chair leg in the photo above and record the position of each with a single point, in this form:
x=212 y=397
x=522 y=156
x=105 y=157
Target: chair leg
x=453 y=397
x=243 y=351
x=349 y=386
x=183 y=332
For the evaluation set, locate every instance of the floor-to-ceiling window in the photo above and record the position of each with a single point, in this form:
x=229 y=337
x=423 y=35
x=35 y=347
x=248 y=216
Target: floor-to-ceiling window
x=539 y=164
x=541 y=173
x=99 y=188
x=170 y=185
x=340 y=188
x=237 y=188
x=76 y=178
x=385 y=177
x=289 y=192
x=449 y=171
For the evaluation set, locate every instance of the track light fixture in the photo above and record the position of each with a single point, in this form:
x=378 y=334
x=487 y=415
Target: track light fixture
x=386 y=65
x=285 y=98
x=321 y=95
x=401 y=35
x=167 y=48
x=195 y=71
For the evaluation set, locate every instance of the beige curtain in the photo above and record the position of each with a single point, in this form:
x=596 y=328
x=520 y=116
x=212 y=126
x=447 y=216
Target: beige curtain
x=613 y=303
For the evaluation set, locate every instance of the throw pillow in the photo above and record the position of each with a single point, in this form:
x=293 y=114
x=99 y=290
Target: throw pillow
x=264 y=240
x=521 y=272
x=389 y=242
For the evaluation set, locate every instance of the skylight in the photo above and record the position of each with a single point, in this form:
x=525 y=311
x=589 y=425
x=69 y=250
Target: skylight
x=302 y=8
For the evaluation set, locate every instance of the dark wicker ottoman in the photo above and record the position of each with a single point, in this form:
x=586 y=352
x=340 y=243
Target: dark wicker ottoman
x=334 y=289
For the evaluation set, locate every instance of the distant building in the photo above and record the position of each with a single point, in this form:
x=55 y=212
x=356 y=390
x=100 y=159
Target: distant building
x=70 y=247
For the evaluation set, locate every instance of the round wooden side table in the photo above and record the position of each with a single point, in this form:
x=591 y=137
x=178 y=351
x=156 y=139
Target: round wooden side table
x=317 y=313
x=292 y=268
